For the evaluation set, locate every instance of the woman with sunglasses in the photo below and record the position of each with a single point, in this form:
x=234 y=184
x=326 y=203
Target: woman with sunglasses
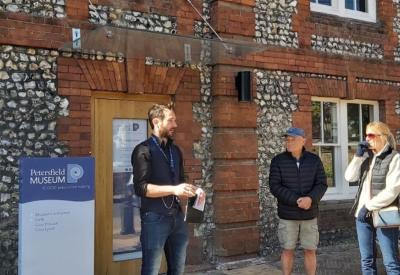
x=376 y=167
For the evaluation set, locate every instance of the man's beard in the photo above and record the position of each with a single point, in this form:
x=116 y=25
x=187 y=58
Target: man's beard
x=164 y=133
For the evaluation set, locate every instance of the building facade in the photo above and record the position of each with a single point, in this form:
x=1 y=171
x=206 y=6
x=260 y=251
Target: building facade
x=327 y=66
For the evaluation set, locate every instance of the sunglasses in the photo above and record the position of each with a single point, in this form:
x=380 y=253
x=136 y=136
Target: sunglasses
x=372 y=136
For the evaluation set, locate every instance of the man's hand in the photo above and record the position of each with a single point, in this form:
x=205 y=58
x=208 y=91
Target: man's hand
x=185 y=190
x=304 y=202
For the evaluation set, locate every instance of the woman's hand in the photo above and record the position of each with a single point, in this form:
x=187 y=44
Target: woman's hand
x=362 y=148
x=364 y=214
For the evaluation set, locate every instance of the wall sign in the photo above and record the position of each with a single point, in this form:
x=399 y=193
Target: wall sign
x=56 y=216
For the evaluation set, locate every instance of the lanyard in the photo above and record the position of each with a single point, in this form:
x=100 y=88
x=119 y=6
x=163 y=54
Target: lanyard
x=171 y=160
x=171 y=167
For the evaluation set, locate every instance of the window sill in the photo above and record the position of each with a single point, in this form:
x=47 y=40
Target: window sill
x=335 y=205
x=333 y=196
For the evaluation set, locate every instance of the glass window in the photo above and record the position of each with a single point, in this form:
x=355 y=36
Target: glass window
x=327 y=155
x=358 y=117
x=330 y=122
x=127 y=133
x=349 y=4
x=353 y=122
x=367 y=115
x=325 y=134
x=359 y=9
x=323 y=2
x=324 y=123
x=336 y=142
x=316 y=122
x=351 y=150
x=358 y=5
x=362 y=5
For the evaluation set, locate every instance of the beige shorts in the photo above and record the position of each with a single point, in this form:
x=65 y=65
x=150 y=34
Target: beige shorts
x=292 y=231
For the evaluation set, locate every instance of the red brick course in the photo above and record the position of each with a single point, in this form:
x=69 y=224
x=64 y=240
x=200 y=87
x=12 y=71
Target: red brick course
x=227 y=112
x=235 y=144
x=235 y=175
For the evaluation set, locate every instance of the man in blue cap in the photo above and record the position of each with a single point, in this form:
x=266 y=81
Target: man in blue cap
x=297 y=179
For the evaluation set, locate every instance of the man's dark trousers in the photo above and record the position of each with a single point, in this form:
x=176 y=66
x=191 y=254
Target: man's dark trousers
x=157 y=230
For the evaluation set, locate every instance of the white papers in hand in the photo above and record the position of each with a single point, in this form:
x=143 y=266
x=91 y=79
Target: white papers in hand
x=200 y=200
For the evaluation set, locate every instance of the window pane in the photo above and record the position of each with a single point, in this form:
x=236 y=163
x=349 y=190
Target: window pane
x=126 y=224
x=367 y=115
x=325 y=2
x=353 y=122
x=316 y=121
x=327 y=155
x=349 y=4
x=126 y=218
x=328 y=159
x=351 y=151
x=362 y=5
x=330 y=122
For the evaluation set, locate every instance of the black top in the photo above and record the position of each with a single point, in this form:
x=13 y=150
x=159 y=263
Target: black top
x=288 y=183
x=151 y=161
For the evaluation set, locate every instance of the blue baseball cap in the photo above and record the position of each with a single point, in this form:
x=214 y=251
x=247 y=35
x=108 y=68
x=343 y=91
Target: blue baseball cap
x=294 y=132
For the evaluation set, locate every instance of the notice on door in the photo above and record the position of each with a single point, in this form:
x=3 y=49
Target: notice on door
x=127 y=133
x=56 y=216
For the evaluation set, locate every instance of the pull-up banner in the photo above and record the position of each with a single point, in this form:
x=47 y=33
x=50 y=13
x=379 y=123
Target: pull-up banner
x=56 y=216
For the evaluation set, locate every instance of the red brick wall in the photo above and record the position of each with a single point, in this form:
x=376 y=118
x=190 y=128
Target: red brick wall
x=235 y=180
x=235 y=141
x=25 y=30
x=76 y=128
x=235 y=175
x=236 y=241
x=188 y=132
x=233 y=17
x=77 y=9
x=227 y=112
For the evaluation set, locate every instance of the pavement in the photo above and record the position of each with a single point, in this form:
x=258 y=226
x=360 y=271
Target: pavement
x=341 y=259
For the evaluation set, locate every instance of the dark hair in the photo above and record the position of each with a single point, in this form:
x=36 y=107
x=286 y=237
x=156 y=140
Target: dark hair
x=158 y=111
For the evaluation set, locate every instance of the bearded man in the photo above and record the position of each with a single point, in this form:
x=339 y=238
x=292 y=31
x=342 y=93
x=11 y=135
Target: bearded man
x=159 y=180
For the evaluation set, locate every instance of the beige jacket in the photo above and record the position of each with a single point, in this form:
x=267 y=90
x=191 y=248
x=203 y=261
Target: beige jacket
x=384 y=197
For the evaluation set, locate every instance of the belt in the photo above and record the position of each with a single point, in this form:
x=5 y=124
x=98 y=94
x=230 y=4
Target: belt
x=172 y=211
x=166 y=212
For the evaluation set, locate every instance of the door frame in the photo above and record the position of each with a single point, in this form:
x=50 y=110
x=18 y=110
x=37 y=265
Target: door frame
x=104 y=265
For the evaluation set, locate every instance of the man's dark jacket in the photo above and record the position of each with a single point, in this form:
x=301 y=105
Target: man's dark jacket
x=150 y=165
x=288 y=183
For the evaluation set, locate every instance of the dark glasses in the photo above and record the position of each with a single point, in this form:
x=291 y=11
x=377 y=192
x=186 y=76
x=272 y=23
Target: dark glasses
x=372 y=136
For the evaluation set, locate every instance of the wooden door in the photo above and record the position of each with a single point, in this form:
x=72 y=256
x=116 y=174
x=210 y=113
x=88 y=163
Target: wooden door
x=106 y=110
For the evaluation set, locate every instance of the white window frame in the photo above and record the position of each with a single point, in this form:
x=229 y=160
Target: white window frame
x=338 y=8
x=342 y=189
